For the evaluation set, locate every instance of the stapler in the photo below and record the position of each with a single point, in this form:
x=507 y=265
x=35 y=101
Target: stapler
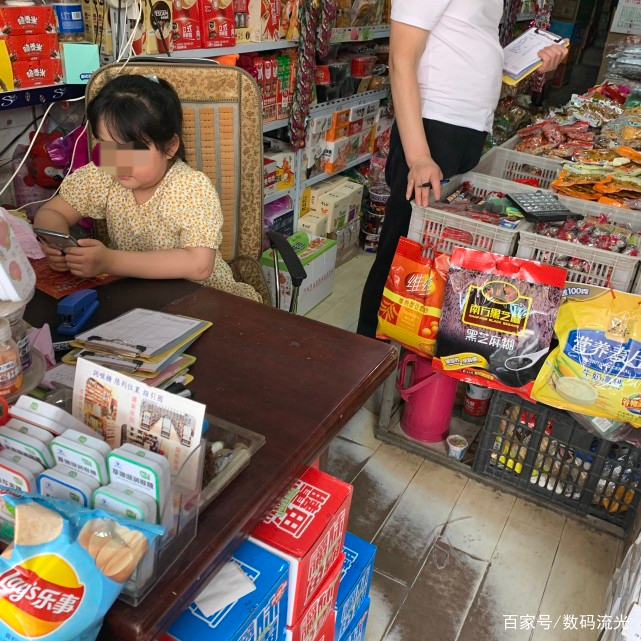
x=76 y=309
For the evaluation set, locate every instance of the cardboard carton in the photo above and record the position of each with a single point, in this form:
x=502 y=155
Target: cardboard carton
x=264 y=20
x=322 y=188
x=33 y=47
x=185 y=26
x=88 y=17
x=355 y=581
x=80 y=60
x=241 y=20
x=336 y=155
x=279 y=216
x=313 y=223
x=318 y=256
x=158 y=26
x=257 y=616
x=337 y=133
x=37 y=73
x=355 y=191
x=25 y=21
x=315 y=622
x=102 y=22
x=284 y=157
x=357 y=631
x=335 y=206
x=217 y=24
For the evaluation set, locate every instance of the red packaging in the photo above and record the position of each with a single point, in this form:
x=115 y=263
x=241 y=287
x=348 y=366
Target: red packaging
x=316 y=619
x=362 y=66
x=321 y=76
x=37 y=73
x=217 y=25
x=264 y=20
x=282 y=101
x=33 y=47
x=355 y=127
x=185 y=28
x=24 y=21
x=307 y=528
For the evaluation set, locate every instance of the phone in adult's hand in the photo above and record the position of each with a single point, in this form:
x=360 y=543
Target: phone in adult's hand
x=55 y=239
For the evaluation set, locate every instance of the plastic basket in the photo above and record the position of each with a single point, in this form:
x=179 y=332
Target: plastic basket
x=515 y=166
x=597 y=266
x=544 y=452
x=447 y=231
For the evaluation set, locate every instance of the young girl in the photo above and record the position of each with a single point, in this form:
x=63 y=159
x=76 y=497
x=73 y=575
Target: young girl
x=164 y=218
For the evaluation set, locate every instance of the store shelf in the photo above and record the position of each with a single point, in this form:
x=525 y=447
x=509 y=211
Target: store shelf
x=242 y=48
x=319 y=179
x=277 y=195
x=275 y=124
x=360 y=34
x=39 y=96
x=348 y=103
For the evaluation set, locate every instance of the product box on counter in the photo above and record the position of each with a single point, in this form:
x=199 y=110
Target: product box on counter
x=318 y=256
x=355 y=581
x=264 y=20
x=319 y=615
x=256 y=616
x=335 y=206
x=279 y=216
x=27 y=20
x=356 y=631
x=355 y=190
x=217 y=24
x=313 y=223
x=310 y=200
x=186 y=25
x=307 y=526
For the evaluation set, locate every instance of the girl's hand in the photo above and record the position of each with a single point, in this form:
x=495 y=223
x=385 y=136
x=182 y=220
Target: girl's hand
x=55 y=258
x=423 y=171
x=89 y=259
x=552 y=57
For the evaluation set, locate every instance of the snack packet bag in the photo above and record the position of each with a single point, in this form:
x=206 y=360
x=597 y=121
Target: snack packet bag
x=596 y=369
x=65 y=567
x=498 y=319
x=411 y=304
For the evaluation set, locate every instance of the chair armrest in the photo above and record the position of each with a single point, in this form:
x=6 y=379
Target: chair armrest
x=279 y=243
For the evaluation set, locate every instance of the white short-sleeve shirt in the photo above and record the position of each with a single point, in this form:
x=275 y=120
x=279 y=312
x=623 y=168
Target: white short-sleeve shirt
x=459 y=74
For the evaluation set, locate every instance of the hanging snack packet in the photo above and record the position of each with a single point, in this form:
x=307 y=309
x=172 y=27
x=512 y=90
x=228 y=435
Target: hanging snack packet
x=65 y=568
x=596 y=369
x=498 y=319
x=411 y=304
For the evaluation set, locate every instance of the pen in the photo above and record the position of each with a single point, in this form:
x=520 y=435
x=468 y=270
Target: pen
x=443 y=182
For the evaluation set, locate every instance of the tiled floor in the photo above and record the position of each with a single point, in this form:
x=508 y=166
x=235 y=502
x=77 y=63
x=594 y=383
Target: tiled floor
x=454 y=556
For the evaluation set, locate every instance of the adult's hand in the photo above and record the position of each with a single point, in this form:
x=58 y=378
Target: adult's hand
x=423 y=171
x=552 y=57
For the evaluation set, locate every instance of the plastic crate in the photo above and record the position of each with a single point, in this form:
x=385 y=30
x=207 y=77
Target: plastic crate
x=515 y=166
x=599 y=266
x=447 y=230
x=544 y=452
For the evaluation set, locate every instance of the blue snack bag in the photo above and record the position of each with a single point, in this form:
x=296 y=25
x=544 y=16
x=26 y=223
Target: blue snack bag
x=65 y=568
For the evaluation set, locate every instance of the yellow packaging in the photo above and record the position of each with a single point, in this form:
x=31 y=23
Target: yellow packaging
x=596 y=369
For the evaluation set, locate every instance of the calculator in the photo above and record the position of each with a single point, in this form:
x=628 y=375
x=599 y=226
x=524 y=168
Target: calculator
x=542 y=206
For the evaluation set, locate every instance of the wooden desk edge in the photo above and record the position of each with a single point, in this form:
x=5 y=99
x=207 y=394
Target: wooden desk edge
x=143 y=630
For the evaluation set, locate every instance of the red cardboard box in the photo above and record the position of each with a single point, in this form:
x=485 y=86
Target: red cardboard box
x=216 y=25
x=25 y=21
x=307 y=528
x=264 y=20
x=185 y=28
x=33 y=47
x=321 y=609
x=36 y=73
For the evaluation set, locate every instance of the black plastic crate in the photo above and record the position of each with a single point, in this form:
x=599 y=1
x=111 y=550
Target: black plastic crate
x=545 y=452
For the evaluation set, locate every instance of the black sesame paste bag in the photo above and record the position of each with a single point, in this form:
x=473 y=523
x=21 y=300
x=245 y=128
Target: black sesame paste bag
x=498 y=320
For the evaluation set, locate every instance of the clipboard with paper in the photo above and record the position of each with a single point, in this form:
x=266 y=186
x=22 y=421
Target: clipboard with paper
x=521 y=56
x=143 y=334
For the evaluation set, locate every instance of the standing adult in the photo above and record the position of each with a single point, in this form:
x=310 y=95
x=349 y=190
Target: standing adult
x=445 y=66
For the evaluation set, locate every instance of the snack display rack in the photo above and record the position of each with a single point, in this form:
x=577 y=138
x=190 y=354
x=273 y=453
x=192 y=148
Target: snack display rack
x=544 y=452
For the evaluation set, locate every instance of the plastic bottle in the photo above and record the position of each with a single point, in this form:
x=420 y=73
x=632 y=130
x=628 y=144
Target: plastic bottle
x=10 y=370
x=19 y=334
x=69 y=16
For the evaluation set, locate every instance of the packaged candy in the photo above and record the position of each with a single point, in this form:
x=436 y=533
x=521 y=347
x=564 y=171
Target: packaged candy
x=65 y=568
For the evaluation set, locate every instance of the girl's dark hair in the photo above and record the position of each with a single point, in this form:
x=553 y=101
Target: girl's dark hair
x=135 y=108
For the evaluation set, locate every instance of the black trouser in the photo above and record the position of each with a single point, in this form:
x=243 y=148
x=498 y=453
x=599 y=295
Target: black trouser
x=455 y=150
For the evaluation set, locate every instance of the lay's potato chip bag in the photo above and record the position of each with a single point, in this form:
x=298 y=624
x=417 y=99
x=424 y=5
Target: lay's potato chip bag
x=65 y=568
x=596 y=369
